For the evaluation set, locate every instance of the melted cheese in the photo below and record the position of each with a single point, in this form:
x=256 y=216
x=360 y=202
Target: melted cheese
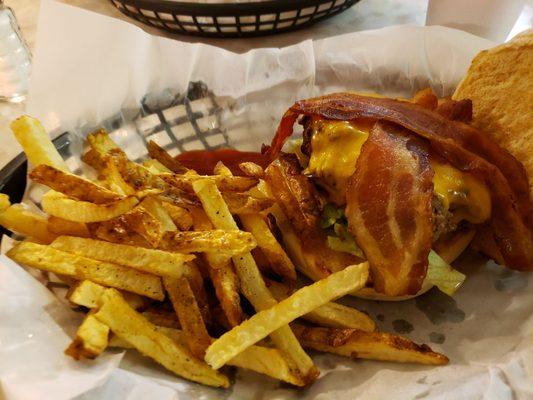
x=337 y=144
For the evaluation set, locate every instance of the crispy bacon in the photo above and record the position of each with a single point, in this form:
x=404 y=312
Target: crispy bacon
x=461 y=145
x=389 y=208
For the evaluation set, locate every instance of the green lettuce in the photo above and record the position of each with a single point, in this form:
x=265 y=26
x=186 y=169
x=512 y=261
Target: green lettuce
x=442 y=275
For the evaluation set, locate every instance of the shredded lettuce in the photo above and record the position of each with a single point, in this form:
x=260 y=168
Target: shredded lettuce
x=442 y=275
x=344 y=241
x=330 y=215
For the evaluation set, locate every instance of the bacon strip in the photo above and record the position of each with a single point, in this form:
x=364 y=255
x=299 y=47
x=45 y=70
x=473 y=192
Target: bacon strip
x=389 y=208
x=461 y=145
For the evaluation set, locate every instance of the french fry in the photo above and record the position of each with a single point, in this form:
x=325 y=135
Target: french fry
x=224 y=183
x=188 y=312
x=252 y=283
x=162 y=318
x=72 y=185
x=180 y=216
x=17 y=218
x=157 y=262
x=154 y=207
x=252 y=169
x=59 y=262
x=280 y=263
x=218 y=240
x=299 y=303
x=170 y=163
x=36 y=143
x=58 y=205
x=370 y=345
x=4 y=201
x=134 y=328
x=331 y=314
x=196 y=282
x=86 y=293
x=155 y=167
x=222 y=170
x=222 y=275
x=91 y=339
x=244 y=203
x=60 y=226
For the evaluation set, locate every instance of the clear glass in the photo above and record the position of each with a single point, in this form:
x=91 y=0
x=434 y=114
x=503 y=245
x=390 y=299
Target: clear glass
x=15 y=58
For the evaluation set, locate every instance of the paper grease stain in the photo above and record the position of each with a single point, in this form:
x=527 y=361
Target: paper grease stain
x=439 y=307
x=402 y=326
x=438 y=338
x=510 y=281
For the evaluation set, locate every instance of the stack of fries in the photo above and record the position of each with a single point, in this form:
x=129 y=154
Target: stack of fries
x=159 y=257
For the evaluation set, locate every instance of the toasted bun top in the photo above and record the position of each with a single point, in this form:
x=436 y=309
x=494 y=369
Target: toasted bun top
x=500 y=85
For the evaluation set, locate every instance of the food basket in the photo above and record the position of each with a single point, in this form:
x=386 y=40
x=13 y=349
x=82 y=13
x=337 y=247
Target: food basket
x=231 y=19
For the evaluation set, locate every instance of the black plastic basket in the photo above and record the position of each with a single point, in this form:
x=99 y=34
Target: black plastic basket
x=231 y=20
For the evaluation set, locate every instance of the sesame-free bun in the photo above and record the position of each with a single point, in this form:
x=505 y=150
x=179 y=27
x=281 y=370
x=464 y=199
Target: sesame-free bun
x=500 y=85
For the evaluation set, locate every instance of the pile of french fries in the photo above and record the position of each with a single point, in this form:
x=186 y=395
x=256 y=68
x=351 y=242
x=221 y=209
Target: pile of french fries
x=158 y=257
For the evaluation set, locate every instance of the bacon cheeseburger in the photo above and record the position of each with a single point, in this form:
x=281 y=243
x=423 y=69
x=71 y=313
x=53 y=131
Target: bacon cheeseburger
x=406 y=185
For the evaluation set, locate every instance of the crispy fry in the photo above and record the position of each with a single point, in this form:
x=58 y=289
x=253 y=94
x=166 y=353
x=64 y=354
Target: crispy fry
x=196 y=281
x=222 y=276
x=157 y=262
x=36 y=143
x=90 y=341
x=17 y=218
x=370 y=345
x=86 y=293
x=280 y=263
x=252 y=169
x=242 y=203
x=58 y=205
x=72 y=185
x=221 y=169
x=170 y=163
x=162 y=318
x=218 y=240
x=154 y=207
x=155 y=167
x=4 y=201
x=252 y=283
x=188 y=312
x=180 y=216
x=331 y=314
x=134 y=328
x=60 y=226
x=224 y=183
x=59 y=262
x=299 y=303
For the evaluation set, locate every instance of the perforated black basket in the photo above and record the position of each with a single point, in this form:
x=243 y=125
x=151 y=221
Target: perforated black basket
x=231 y=19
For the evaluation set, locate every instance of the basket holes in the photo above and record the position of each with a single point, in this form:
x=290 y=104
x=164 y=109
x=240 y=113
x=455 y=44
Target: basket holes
x=307 y=11
x=268 y=17
x=324 y=7
x=288 y=14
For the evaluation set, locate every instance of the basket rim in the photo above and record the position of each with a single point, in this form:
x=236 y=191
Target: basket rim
x=224 y=9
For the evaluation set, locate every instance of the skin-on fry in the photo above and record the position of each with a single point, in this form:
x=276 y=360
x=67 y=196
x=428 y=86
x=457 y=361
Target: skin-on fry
x=60 y=226
x=252 y=169
x=72 y=185
x=155 y=167
x=224 y=183
x=157 y=262
x=217 y=240
x=170 y=163
x=58 y=205
x=222 y=275
x=299 y=303
x=280 y=263
x=188 y=312
x=86 y=293
x=180 y=216
x=252 y=283
x=370 y=345
x=331 y=314
x=59 y=262
x=36 y=143
x=162 y=318
x=134 y=328
x=242 y=203
x=91 y=339
x=140 y=221
x=156 y=209
x=17 y=218
x=4 y=201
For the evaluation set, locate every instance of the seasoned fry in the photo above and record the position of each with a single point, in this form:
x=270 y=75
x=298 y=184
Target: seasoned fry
x=331 y=314
x=91 y=339
x=86 y=293
x=222 y=275
x=280 y=263
x=72 y=185
x=4 y=201
x=17 y=218
x=154 y=207
x=155 y=167
x=252 y=169
x=188 y=312
x=162 y=318
x=60 y=226
x=58 y=205
x=59 y=262
x=170 y=163
x=242 y=203
x=221 y=169
x=157 y=262
x=218 y=241
x=36 y=143
x=224 y=183
x=180 y=216
x=134 y=328
x=252 y=283
x=299 y=303
x=370 y=345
